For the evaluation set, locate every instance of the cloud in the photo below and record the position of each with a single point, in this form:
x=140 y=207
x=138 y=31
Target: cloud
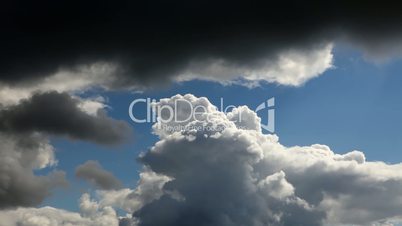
x=222 y=172
x=228 y=174
x=20 y=156
x=149 y=188
x=146 y=45
x=60 y=114
x=26 y=122
x=75 y=81
x=91 y=215
x=93 y=172
x=291 y=68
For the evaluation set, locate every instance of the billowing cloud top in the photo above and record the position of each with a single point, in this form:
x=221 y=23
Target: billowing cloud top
x=235 y=175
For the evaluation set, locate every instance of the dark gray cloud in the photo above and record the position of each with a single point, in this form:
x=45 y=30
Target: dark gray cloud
x=20 y=156
x=156 y=40
x=93 y=172
x=59 y=114
x=126 y=222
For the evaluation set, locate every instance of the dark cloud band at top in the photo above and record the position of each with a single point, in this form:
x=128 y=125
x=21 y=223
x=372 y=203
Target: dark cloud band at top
x=154 y=41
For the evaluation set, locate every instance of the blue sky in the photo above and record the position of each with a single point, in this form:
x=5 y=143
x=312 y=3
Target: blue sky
x=353 y=106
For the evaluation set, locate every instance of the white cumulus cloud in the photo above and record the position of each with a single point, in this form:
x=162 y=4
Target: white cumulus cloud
x=290 y=68
x=239 y=176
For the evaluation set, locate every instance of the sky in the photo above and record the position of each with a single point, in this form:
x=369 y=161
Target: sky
x=72 y=155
